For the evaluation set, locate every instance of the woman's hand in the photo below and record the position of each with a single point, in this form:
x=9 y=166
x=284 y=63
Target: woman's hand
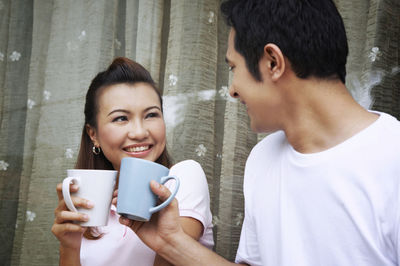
x=163 y=225
x=67 y=232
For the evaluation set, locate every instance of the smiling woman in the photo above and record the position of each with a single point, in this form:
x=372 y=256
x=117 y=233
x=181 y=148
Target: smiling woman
x=124 y=118
x=129 y=128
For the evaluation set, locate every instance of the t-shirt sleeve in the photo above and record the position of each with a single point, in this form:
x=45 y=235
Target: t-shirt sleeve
x=193 y=195
x=248 y=251
x=397 y=225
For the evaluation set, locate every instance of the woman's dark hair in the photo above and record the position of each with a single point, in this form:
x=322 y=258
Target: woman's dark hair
x=121 y=70
x=310 y=34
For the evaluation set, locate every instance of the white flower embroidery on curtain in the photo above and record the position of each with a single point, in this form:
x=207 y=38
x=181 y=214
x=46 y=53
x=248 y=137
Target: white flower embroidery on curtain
x=201 y=150
x=31 y=103
x=46 y=95
x=224 y=92
x=117 y=44
x=374 y=54
x=1 y=56
x=211 y=17
x=238 y=219
x=172 y=80
x=215 y=220
x=30 y=216
x=69 y=153
x=3 y=165
x=82 y=36
x=395 y=70
x=15 y=56
x=73 y=45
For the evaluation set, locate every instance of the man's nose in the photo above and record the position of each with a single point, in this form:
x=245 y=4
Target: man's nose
x=232 y=92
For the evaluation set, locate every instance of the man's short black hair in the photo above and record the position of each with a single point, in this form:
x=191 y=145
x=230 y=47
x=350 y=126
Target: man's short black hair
x=310 y=33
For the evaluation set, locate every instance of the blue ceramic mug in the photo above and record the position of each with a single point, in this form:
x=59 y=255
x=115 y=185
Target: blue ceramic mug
x=136 y=201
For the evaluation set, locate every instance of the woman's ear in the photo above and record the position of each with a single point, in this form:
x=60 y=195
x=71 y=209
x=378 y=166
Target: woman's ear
x=274 y=61
x=91 y=131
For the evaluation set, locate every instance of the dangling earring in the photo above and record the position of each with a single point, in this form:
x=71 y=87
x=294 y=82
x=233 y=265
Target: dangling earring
x=96 y=150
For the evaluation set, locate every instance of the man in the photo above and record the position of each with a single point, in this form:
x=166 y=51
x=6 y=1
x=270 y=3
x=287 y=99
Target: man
x=323 y=187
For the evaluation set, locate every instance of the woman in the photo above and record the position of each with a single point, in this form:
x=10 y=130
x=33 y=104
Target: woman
x=124 y=118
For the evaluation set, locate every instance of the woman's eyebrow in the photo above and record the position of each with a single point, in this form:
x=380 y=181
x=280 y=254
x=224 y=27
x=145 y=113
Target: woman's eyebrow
x=118 y=110
x=152 y=107
x=127 y=112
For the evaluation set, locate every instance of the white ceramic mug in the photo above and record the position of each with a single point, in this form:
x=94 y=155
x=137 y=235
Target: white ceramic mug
x=94 y=185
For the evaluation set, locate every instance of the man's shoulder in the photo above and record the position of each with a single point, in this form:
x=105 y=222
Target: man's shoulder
x=271 y=141
x=270 y=145
x=387 y=128
x=389 y=121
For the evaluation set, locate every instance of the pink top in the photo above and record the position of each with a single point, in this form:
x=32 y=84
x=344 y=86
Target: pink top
x=120 y=245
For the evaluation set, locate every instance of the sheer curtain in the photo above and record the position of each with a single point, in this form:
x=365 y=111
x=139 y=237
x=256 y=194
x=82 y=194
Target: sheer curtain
x=50 y=50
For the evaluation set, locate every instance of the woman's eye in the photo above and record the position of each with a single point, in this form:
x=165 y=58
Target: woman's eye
x=231 y=68
x=154 y=114
x=120 y=119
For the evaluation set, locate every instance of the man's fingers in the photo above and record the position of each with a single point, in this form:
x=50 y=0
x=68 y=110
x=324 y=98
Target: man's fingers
x=115 y=197
x=125 y=221
x=134 y=225
x=160 y=190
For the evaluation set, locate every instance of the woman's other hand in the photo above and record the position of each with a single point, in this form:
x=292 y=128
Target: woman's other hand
x=64 y=228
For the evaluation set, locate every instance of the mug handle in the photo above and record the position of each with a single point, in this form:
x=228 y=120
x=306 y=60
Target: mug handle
x=170 y=198
x=66 y=193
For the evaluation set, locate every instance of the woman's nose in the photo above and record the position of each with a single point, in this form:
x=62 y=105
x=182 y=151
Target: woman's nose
x=137 y=130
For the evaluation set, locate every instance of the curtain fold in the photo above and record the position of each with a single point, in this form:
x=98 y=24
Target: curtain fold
x=37 y=66
x=51 y=49
x=15 y=56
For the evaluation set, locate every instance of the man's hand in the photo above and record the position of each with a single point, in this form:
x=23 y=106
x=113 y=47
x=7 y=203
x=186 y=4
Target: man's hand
x=163 y=225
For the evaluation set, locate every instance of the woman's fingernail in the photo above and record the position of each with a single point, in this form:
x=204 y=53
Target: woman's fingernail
x=85 y=217
x=89 y=204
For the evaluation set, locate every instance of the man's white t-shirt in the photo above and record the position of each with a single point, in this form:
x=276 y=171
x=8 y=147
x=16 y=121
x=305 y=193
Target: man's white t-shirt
x=339 y=207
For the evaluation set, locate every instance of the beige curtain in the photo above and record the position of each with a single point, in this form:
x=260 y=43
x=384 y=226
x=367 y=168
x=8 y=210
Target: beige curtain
x=50 y=50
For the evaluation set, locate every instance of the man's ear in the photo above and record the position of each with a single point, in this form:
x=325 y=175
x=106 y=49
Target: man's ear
x=274 y=61
x=91 y=131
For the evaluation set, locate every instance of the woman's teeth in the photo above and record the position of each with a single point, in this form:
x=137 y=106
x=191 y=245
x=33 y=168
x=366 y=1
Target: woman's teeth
x=137 y=149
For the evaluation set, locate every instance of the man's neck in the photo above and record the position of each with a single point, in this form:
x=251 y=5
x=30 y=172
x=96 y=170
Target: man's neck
x=322 y=114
